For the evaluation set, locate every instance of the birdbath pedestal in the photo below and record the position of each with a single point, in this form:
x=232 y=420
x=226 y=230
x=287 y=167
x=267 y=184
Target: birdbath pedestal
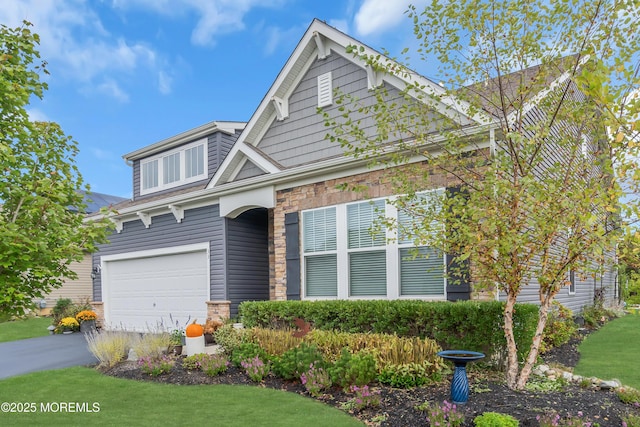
x=460 y=383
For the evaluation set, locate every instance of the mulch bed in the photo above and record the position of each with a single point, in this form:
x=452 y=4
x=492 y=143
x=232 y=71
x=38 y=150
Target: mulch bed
x=398 y=406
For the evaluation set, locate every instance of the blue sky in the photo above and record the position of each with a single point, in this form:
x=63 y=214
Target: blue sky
x=129 y=73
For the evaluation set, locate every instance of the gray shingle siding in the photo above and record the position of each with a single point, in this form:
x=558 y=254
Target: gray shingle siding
x=199 y=225
x=300 y=139
x=247 y=258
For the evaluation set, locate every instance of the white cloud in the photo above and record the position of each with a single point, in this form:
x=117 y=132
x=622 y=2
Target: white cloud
x=111 y=88
x=164 y=82
x=75 y=43
x=381 y=15
x=215 y=17
x=277 y=36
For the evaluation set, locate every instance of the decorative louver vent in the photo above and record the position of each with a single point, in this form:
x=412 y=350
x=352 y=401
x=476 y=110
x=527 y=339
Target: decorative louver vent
x=325 y=90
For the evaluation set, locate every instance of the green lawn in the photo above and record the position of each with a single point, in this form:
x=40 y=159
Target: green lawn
x=22 y=329
x=612 y=352
x=125 y=402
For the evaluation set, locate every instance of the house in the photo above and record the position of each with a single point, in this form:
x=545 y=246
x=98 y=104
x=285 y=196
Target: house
x=80 y=289
x=232 y=211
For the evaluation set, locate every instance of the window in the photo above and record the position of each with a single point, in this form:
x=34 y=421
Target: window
x=325 y=90
x=572 y=282
x=150 y=175
x=194 y=161
x=367 y=254
x=174 y=168
x=321 y=266
x=171 y=168
x=343 y=259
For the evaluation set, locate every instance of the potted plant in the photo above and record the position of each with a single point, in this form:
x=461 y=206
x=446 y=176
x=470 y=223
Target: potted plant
x=87 y=320
x=209 y=328
x=68 y=325
x=176 y=342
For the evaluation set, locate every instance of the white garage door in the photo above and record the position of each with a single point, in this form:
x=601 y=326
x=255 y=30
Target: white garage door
x=148 y=290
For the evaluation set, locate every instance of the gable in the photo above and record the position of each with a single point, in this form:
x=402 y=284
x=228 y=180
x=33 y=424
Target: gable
x=286 y=132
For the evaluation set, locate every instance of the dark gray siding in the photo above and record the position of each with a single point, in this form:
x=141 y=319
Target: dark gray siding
x=247 y=258
x=199 y=225
x=300 y=139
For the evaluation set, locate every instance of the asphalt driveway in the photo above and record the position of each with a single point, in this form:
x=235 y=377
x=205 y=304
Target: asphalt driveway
x=44 y=353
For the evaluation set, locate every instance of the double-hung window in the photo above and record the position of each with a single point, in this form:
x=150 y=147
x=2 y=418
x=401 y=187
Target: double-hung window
x=344 y=258
x=421 y=267
x=320 y=248
x=367 y=253
x=173 y=168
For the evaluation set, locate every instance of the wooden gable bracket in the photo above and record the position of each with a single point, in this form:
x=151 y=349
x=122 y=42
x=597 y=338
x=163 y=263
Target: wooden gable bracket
x=178 y=212
x=374 y=77
x=145 y=218
x=323 y=50
x=118 y=223
x=281 y=106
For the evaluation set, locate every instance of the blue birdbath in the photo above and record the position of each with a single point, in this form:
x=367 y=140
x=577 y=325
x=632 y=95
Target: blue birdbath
x=460 y=383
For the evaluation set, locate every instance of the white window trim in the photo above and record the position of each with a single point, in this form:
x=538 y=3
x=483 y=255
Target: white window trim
x=392 y=249
x=182 y=181
x=572 y=292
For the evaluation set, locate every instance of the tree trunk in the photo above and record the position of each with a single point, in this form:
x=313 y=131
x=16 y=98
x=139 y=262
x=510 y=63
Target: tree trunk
x=512 y=350
x=543 y=314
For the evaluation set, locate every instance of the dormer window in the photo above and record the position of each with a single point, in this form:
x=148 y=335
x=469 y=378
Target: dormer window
x=173 y=168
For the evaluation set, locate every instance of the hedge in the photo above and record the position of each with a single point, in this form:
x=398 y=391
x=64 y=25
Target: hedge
x=468 y=325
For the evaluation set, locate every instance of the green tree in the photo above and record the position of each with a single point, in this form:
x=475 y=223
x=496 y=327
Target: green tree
x=530 y=93
x=42 y=227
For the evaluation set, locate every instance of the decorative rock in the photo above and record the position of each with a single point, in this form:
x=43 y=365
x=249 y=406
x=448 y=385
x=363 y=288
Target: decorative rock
x=132 y=356
x=578 y=378
x=567 y=376
x=609 y=385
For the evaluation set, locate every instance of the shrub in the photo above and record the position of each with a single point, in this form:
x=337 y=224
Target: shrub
x=629 y=395
x=152 y=345
x=364 y=398
x=194 y=362
x=595 y=315
x=495 y=419
x=631 y=421
x=246 y=351
x=109 y=347
x=315 y=380
x=389 y=349
x=155 y=366
x=214 y=364
x=255 y=368
x=472 y=325
x=230 y=338
x=293 y=363
x=274 y=341
x=560 y=327
x=408 y=375
x=445 y=415
x=353 y=369
x=554 y=419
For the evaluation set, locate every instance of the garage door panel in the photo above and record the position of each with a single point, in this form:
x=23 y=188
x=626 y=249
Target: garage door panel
x=146 y=293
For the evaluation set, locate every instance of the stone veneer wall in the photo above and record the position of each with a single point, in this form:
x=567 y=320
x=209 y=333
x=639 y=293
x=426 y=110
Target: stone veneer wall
x=324 y=193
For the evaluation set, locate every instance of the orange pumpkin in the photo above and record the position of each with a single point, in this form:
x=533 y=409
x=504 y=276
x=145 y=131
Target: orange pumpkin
x=194 y=330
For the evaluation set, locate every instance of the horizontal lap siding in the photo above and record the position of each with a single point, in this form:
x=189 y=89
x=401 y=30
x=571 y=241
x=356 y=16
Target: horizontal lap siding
x=199 y=225
x=247 y=258
x=78 y=290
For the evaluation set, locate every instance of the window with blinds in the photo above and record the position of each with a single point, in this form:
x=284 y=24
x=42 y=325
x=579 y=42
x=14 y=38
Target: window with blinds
x=367 y=255
x=321 y=259
x=344 y=258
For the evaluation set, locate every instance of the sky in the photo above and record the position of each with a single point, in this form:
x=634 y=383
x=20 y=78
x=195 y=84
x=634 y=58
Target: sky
x=125 y=74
